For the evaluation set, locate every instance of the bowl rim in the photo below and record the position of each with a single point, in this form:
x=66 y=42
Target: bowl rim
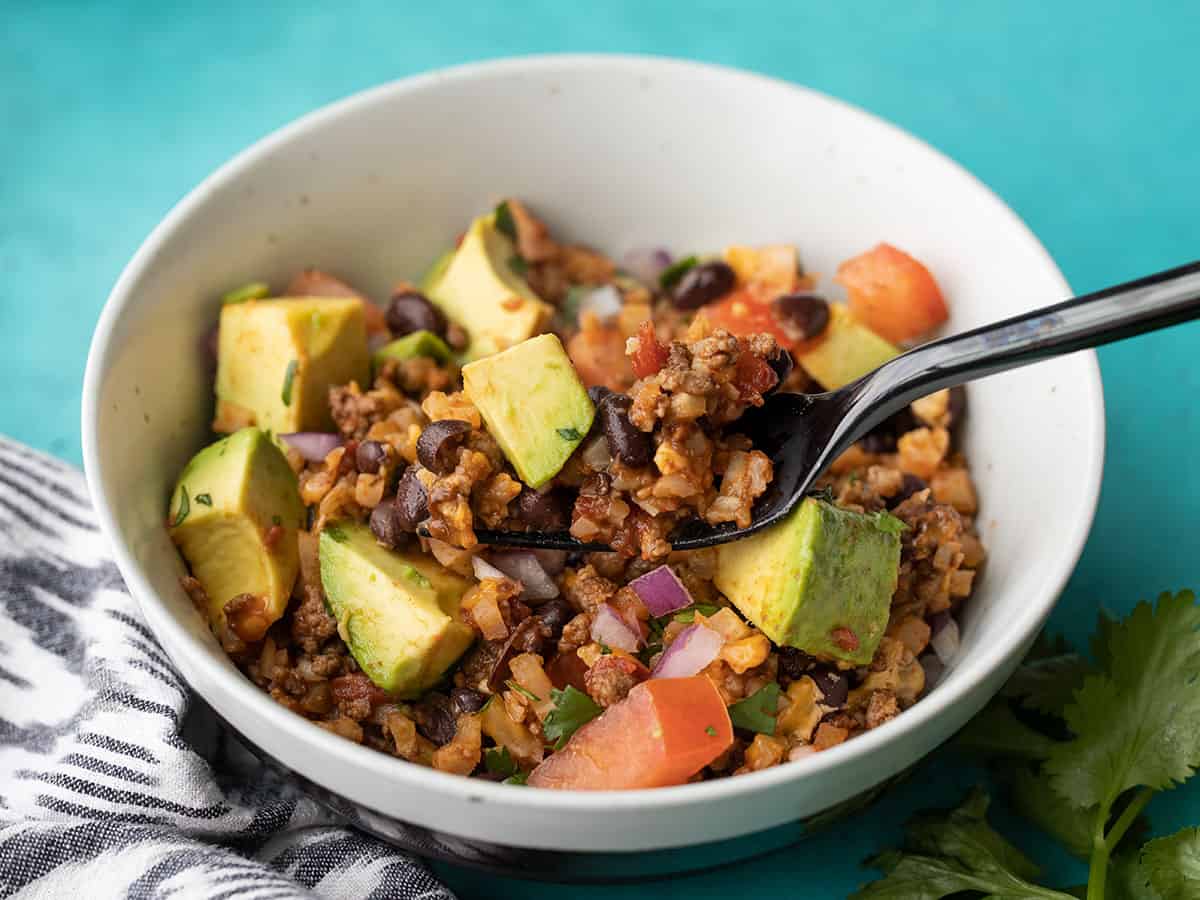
x=290 y=726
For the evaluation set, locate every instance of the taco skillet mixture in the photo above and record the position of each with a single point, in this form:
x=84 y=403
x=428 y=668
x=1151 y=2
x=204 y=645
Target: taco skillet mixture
x=529 y=385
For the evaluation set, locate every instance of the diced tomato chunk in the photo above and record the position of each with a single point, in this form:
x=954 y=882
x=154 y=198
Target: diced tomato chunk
x=663 y=733
x=744 y=313
x=892 y=294
x=753 y=375
x=651 y=354
x=598 y=354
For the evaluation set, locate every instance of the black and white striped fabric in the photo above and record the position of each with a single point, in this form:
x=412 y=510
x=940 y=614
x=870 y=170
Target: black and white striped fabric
x=114 y=781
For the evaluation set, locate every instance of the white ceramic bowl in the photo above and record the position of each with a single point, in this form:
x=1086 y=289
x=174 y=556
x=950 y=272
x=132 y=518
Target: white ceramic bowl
x=618 y=152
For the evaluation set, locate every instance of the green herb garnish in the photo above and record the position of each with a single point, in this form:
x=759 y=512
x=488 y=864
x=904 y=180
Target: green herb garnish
x=574 y=299
x=523 y=691
x=255 y=290
x=185 y=507
x=671 y=274
x=517 y=264
x=757 y=712
x=710 y=731
x=498 y=761
x=204 y=499
x=275 y=520
x=885 y=521
x=1084 y=745
x=288 y=377
x=572 y=710
x=504 y=221
x=519 y=778
x=569 y=434
x=689 y=614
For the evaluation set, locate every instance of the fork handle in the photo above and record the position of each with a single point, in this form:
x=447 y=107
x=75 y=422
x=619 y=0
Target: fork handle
x=1112 y=314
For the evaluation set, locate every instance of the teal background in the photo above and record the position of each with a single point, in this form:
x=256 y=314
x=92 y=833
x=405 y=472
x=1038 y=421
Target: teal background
x=1084 y=116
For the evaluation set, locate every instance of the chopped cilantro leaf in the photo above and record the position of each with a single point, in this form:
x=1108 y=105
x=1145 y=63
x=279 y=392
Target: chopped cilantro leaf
x=517 y=264
x=520 y=778
x=499 y=761
x=825 y=494
x=710 y=731
x=504 y=221
x=757 y=712
x=523 y=691
x=255 y=290
x=605 y=650
x=185 y=507
x=204 y=499
x=689 y=614
x=569 y=434
x=575 y=295
x=275 y=520
x=572 y=710
x=288 y=377
x=1172 y=864
x=671 y=274
x=885 y=521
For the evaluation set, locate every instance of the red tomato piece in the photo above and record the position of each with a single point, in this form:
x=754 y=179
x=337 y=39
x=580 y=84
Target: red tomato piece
x=651 y=354
x=753 y=375
x=744 y=313
x=663 y=733
x=598 y=355
x=892 y=294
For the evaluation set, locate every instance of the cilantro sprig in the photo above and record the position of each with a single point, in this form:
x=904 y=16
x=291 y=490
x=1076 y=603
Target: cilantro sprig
x=757 y=712
x=572 y=710
x=1083 y=745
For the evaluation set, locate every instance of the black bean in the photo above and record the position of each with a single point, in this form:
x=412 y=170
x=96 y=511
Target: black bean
x=793 y=663
x=464 y=701
x=804 y=315
x=546 y=511
x=909 y=486
x=834 y=685
x=385 y=524
x=435 y=718
x=782 y=365
x=555 y=614
x=437 y=447
x=703 y=284
x=411 y=311
x=882 y=438
x=529 y=636
x=626 y=441
x=370 y=457
x=411 y=503
x=596 y=393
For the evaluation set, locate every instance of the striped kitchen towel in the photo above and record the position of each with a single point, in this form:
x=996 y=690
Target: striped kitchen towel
x=114 y=780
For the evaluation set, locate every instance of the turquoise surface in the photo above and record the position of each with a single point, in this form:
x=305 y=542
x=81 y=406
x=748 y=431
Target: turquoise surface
x=1084 y=116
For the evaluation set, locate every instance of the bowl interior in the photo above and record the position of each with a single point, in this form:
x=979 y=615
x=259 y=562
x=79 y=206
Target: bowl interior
x=617 y=153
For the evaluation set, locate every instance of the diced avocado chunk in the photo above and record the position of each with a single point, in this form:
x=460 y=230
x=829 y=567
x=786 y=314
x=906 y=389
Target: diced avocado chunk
x=534 y=405
x=277 y=359
x=821 y=581
x=434 y=273
x=846 y=351
x=480 y=291
x=223 y=515
x=397 y=611
x=419 y=343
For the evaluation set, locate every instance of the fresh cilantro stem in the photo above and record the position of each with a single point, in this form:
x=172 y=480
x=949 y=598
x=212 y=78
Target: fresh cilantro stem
x=1103 y=845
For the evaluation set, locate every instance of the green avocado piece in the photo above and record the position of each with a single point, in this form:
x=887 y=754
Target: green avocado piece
x=397 y=611
x=419 y=343
x=821 y=581
x=226 y=501
x=480 y=291
x=533 y=403
x=434 y=273
x=846 y=351
x=277 y=359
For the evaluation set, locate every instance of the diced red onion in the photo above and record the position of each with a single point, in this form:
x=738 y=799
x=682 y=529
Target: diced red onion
x=553 y=561
x=945 y=642
x=662 y=591
x=525 y=567
x=933 y=671
x=484 y=569
x=611 y=629
x=691 y=652
x=603 y=302
x=314 y=446
x=646 y=263
x=377 y=340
